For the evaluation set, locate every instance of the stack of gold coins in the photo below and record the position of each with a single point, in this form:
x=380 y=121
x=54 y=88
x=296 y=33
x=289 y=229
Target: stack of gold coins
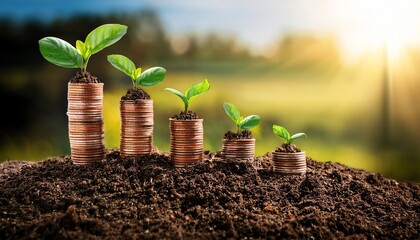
x=186 y=141
x=289 y=163
x=136 y=127
x=238 y=148
x=86 y=125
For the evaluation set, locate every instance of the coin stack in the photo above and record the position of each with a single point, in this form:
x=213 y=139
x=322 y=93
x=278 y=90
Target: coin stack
x=136 y=127
x=238 y=148
x=289 y=163
x=186 y=141
x=86 y=125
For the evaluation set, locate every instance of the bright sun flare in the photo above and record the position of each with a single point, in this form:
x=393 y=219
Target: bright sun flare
x=371 y=25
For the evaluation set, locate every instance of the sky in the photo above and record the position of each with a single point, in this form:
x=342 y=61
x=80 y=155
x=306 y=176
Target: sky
x=358 y=25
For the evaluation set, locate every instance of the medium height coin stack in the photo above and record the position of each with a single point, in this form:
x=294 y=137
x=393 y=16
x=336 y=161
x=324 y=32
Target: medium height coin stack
x=186 y=141
x=86 y=125
x=289 y=163
x=238 y=148
x=136 y=127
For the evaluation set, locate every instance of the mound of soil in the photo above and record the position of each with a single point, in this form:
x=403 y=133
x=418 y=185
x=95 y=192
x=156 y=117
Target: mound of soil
x=84 y=77
x=135 y=94
x=146 y=197
x=189 y=115
x=245 y=134
x=288 y=148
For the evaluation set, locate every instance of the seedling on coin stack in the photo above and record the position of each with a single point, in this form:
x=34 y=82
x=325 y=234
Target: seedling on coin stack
x=136 y=107
x=288 y=159
x=186 y=128
x=85 y=91
x=239 y=144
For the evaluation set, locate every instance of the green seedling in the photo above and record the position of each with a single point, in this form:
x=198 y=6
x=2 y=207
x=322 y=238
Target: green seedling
x=150 y=77
x=63 y=54
x=192 y=91
x=241 y=122
x=282 y=132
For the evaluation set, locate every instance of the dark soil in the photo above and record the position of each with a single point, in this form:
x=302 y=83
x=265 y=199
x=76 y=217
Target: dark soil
x=84 y=77
x=135 y=94
x=245 y=134
x=147 y=198
x=190 y=115
x=288 y=148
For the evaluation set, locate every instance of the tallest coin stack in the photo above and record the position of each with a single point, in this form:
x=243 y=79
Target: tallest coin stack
x=86 y=125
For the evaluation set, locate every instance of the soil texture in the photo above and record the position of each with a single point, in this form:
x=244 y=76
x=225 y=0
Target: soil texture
x=189 y=115
x=136 y=94
x=84 y=77
x=147 y=198
x=244 y=134
x=288 y=148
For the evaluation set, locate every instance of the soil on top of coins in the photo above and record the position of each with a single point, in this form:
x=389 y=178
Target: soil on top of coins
x=84 y=77
x=135 y=94
x=245 y=134
x=148 y=198
x=288 y=148
x=189 y=115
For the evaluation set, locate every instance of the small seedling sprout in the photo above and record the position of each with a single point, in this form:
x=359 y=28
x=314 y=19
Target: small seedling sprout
x=150 y=77
x=193 y=91
x=282 y=132
x=241 y=123
x=63 y=54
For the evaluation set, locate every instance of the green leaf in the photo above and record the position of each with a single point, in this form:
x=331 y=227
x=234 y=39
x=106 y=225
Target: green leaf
x=232 y=111
x=151 y=76
x=281 y=132
x=295 y=136
x=249 y=122
x=197 y=89
x=137 y=73
x=60 y=53
x=180 y=95
x=83 y=49
x=122 y=63
x=104 y=36
x=238 y=122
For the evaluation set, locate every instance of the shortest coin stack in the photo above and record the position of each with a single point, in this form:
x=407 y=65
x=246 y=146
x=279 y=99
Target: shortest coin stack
x=136 y=127
x=186 y=141
x=86 y=126
x=238 y=148
x=289 y=163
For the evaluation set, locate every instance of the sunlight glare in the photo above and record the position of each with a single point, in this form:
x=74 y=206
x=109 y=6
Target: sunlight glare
x=372 y=25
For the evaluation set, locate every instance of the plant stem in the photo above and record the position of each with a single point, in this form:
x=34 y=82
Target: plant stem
x=85 y=65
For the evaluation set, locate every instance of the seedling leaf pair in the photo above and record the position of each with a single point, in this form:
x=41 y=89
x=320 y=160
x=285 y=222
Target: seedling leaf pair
x=193 y=91
x=282 y=132
x=150 y=77
x=241 y=123
x=63 y=54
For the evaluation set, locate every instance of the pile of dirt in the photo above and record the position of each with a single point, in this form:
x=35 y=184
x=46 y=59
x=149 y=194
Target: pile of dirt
x=84 y=77
x=136 y=94
x=189 y=115
x=245 y=134
x=148 y=198
x=288 y=148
